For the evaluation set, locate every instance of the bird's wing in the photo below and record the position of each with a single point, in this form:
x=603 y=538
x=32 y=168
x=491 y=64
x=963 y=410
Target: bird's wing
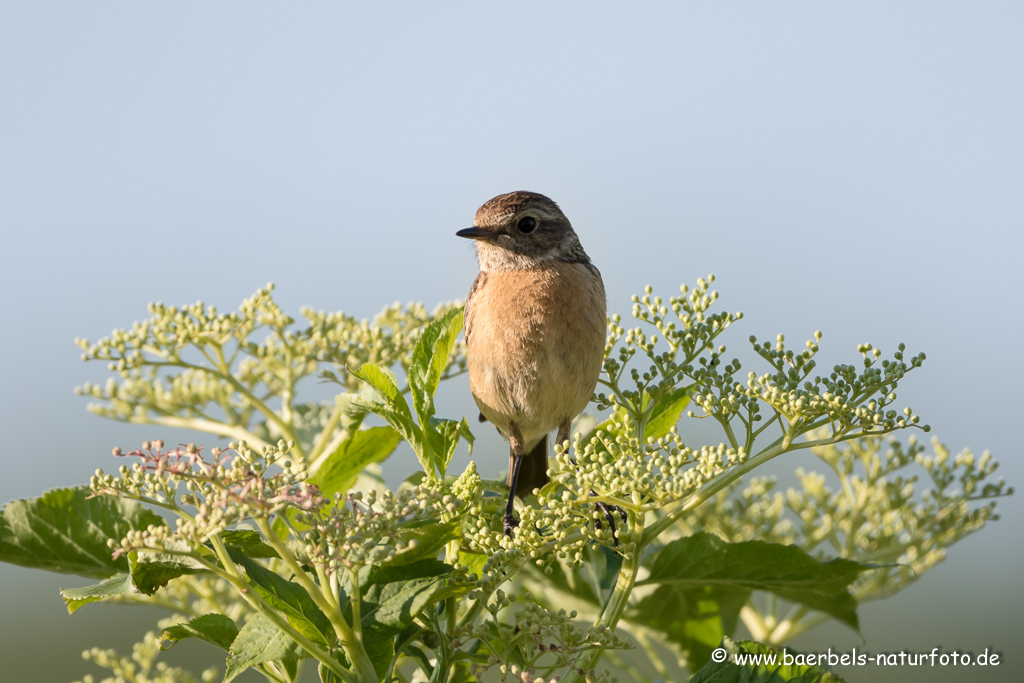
x=467 y=314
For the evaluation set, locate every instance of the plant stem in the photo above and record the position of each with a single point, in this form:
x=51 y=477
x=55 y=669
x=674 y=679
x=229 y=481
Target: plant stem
x=353 y=646
x=356 y=601
x=652 y=654
x=320 y=447
x=731 y=475
x=231 y=574
x=617 y=601
x=200 y=425
x=754 y=622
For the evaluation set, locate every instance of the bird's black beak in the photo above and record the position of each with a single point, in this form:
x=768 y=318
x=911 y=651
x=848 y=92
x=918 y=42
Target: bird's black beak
x=476 y=233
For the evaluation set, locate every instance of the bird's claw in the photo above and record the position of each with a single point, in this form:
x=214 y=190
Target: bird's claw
x=609 y=514
x=509 y=523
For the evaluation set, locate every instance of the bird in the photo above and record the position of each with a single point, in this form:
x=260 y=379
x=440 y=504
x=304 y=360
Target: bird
x=535 y=325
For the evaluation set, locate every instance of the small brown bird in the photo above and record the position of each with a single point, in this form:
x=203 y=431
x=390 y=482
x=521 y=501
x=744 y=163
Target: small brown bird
x=535 y=324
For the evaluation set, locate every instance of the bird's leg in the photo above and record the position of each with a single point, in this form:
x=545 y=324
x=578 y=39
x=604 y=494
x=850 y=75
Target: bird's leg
x=608 y=510
x=563 y=434
x=515 y=440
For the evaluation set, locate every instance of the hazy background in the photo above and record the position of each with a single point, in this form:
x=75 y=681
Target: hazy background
x=854 y=170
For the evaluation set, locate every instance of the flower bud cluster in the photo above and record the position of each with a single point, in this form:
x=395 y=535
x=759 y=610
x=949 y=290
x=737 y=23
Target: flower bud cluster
x=195 y=364
x=639 y=475
x=367 y=529
x=522 y=637
x=142 y=666
x=877 y=511
x=621 y=464
x=551 y=528
x=211 y=494
x=687 y=337
x=614 y=469
x=468 y=488
x=847 y=398
x=388 y=339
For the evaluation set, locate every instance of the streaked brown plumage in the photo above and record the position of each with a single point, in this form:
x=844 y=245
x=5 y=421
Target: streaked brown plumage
x=534 y=327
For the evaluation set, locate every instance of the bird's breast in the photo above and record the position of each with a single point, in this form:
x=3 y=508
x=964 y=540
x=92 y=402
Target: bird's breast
x=536 y=345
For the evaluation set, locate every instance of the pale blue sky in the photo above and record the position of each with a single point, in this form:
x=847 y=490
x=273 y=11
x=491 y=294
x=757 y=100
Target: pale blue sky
x=857 y=170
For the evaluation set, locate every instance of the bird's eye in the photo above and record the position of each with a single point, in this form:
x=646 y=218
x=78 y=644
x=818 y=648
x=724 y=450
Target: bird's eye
x=526 y=225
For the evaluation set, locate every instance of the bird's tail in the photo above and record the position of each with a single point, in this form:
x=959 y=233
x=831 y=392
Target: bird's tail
x=533 y=473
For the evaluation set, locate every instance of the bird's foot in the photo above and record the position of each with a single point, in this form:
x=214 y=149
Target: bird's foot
x=509 y=523
x=609 y=515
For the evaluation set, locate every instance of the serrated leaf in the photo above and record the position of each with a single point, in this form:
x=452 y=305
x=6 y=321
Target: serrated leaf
x=248 y=541
x=394 y=595
x=215 y=629
x=587 y=583
x=430 y=357
x=290 y=664
x=328 y=676
x=762 y=665
x=148 y=571
x=429 y=542
x=380 y=647
x=365 y=446
x=404 y=425
x=77 y=598
x=696 y=618
x=385 y=383
x=784 y=570
x=666 y=413
x=151 y=570
x=445 y=435
x=473 y=562
x=288 y=597
x=257 y=642
x=401 y=601
x=66 y=531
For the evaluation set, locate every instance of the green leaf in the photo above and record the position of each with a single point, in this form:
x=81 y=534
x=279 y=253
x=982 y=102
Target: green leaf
x=290 y=664
x=394 y=595
x=403 y=423
x=430 y=357
x=385 y=383
x=363 y=447
x=257 y=642
x=288 y=597
x=589 y=582
x=461 y=673
x=784 y=570
x=248 y=541
x=67 y=531
x=430 y=540
x=444 y=438
x=695 y=618
x=76 y=598
x=328 y=676
x=433 y=441
x=215 y=629
x=151 y=570
x=666 y=413
x=148 y=572
x=762 y=664
x=380 y=647
x=401 y=601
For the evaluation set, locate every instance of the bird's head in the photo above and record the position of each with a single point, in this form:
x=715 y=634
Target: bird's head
x=522 y=230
